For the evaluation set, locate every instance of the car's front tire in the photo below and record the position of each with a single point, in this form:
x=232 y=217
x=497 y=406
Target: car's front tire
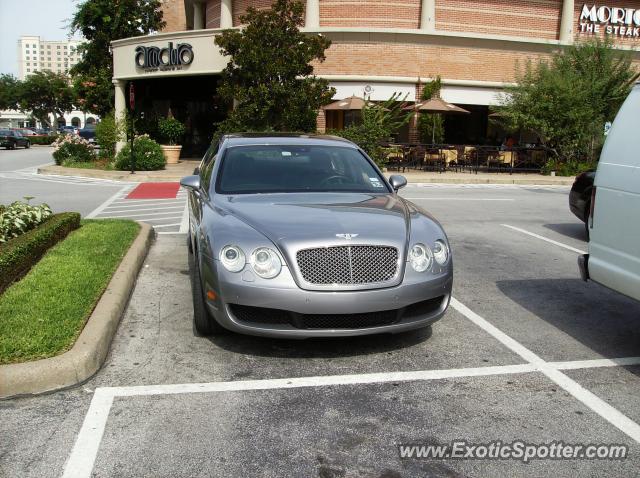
x=28 y=145
x=203 y=323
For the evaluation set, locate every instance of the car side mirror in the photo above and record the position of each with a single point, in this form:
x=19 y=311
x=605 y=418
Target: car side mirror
x=397 y=182
x=191 y=182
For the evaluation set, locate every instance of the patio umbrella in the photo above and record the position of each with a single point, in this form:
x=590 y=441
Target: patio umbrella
x=438 y=106
x=351 y=103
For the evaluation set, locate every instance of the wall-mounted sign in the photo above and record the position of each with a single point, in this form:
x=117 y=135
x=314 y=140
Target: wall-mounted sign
x=152 y=58
x=622 y=22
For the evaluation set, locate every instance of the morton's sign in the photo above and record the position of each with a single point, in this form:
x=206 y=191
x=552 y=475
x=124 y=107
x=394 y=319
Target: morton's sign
x=152 y=58
x=621 y=22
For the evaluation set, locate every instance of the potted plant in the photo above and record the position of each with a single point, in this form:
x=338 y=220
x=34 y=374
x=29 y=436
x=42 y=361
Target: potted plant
x=171 y=130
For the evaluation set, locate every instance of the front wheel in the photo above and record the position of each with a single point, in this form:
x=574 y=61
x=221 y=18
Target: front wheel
x=27 y=145
x=203 y=323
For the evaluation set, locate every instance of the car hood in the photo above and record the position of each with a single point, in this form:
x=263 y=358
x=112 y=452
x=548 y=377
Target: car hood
x=296 y=221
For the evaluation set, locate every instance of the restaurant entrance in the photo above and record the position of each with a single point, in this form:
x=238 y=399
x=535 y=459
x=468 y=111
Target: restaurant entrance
x=192 y=100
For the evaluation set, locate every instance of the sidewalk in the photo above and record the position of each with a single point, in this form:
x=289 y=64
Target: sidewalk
x=174 y=172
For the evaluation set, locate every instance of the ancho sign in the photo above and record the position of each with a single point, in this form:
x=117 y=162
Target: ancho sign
x=152 y=58
x=622 y=22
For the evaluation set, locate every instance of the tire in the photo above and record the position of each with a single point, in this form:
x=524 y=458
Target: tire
x=13 y=145
x=586 y=219
x=203 y=323
x=28 y=145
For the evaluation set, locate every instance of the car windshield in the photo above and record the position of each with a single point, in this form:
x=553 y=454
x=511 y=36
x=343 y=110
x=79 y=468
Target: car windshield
x=296 y=168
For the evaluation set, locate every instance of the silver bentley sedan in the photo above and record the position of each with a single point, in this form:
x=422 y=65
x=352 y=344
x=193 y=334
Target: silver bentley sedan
x=302 y=236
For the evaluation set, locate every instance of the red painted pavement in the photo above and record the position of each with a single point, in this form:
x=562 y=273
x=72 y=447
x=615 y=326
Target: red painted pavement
x=155 y=191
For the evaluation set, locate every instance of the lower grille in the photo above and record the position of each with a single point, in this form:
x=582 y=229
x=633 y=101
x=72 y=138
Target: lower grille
x=262 y=315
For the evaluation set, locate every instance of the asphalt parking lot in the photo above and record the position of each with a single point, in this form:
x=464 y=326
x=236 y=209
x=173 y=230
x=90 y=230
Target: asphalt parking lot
x=527 y=351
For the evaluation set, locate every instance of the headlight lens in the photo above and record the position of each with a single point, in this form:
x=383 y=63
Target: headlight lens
x=440 y=252
x=266 y=262
x=420 y=257
x=232 y=258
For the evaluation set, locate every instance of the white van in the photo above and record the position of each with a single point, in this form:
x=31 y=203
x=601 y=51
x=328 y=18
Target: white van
x=614 y=220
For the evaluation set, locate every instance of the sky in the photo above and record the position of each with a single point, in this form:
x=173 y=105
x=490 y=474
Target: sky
x=48 y=19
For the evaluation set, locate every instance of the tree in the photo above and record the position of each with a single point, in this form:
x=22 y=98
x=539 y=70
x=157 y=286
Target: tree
x=431 y=125
x=568 y=99
x=100 y=22
x=45 y=93
x=8 y=92
x=269 y=75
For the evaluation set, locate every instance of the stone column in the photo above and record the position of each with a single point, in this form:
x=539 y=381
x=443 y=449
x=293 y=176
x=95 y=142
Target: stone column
x=312 y=14
x=428 y=15
x=198 y=16
x=226 y=14
x=120 y=105
x=566 y=22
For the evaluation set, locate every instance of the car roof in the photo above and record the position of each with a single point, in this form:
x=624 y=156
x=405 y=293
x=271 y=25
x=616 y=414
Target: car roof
x=246 y=139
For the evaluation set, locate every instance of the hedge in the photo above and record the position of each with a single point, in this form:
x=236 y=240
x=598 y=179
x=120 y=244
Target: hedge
x=45 y=140
x=18 y=255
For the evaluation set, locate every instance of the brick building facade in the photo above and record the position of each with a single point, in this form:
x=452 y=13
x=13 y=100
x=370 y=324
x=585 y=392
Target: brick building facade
x=382 y=46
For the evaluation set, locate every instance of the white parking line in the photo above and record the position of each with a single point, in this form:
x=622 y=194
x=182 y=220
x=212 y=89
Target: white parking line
x=108 y=202
x=590 y=400
x=167 y=225
x=81 y=461
x=142 y=215
x=184 y=224
x=116 y=209
x=551 y=241
x=123 y=204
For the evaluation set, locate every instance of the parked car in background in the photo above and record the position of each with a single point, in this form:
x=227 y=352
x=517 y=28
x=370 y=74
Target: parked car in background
x=302 y=236
x=68 y=130
x=11 y=139
x=88 y=133
x=26 y=131
x=614 y=219
x=580 y=197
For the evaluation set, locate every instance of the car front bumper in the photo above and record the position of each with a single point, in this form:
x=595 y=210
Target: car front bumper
x=233 y=289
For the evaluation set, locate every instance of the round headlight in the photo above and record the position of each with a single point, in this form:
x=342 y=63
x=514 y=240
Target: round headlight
x=420 y=257
x=266 y=262
x=232 y=258
x=440 y=252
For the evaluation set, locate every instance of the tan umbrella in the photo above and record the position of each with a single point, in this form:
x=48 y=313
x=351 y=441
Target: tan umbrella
x=437 y=105
x=351 y=103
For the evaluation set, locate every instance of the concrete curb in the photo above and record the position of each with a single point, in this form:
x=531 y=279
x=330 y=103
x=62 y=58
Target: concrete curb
x=90 y=350
x=186 y=168
x=522 y=181
x=139 y=177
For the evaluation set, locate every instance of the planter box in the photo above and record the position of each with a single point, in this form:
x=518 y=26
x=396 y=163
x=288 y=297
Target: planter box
x=171 y=153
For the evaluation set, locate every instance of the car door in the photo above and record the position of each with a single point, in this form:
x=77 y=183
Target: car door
x=20 y=141
x=614 y=248
x=199 y=197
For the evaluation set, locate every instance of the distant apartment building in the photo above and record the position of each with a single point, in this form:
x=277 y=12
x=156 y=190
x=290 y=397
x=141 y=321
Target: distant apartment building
x=36 y=54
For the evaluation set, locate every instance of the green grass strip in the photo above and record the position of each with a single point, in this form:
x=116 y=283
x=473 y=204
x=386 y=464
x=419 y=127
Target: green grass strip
x=43 y=314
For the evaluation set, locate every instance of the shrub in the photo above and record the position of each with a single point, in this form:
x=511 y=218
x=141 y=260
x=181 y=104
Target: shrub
x=73 y=148
x=170 y=129
x=20 y=217
x=148 y=155
x=568 y=168
x=108 y=132
x=20 y=254
x=44 y=139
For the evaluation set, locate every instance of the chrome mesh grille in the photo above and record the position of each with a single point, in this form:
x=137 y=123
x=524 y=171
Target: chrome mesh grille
x=348 y=265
